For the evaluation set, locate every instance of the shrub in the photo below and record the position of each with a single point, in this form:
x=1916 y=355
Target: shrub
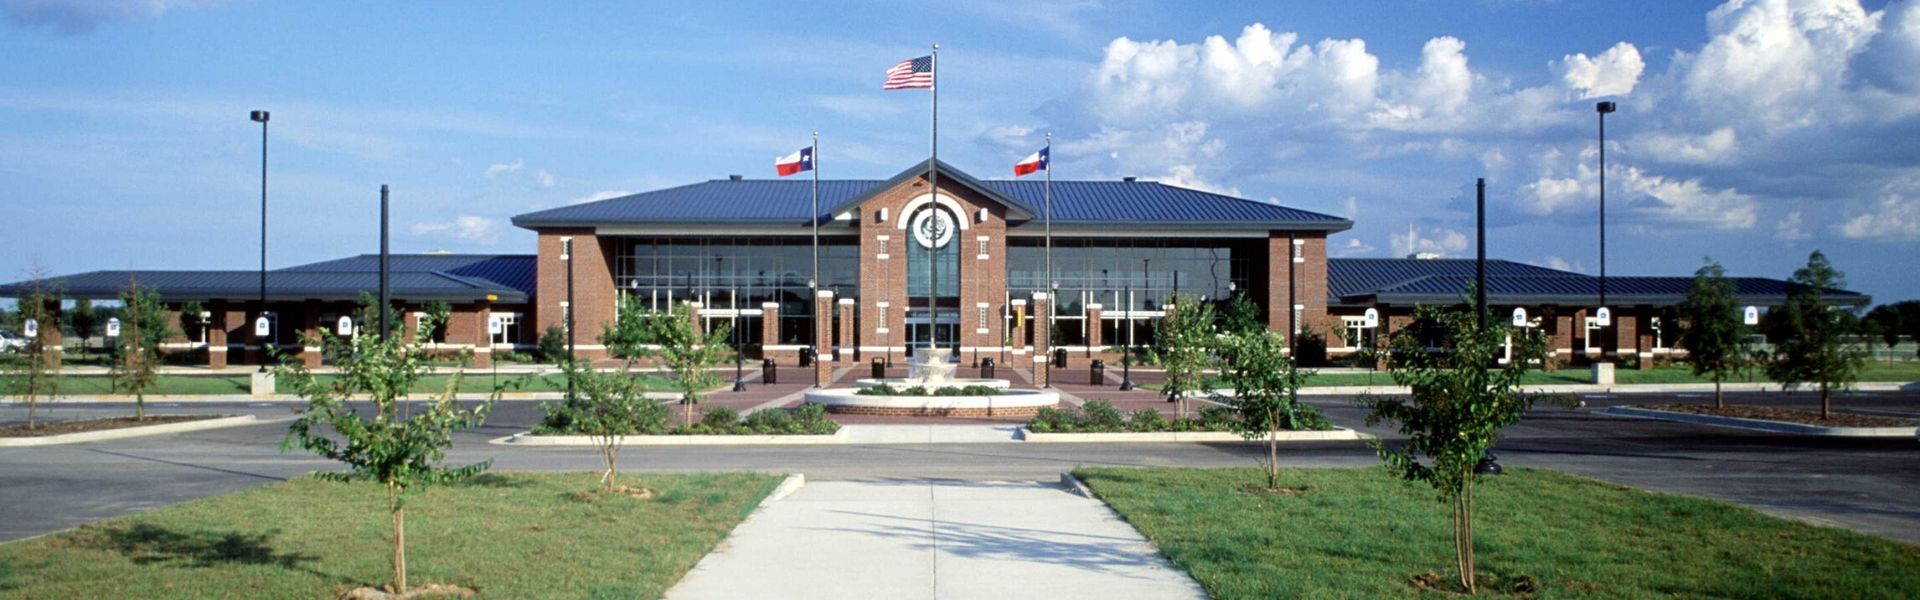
x=1100 y=415
x=1218 y=417
x=771 y=420
x=553 y=345
x=878 y=390
x=720 y=418
x=1147 y=419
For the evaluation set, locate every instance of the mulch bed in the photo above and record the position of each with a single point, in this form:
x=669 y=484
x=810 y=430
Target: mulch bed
x=46 y=428
x=1789 y=415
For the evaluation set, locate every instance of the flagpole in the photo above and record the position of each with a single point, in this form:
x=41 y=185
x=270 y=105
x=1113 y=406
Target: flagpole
x=814 y=290
x=1050 y=285
x=933 y=179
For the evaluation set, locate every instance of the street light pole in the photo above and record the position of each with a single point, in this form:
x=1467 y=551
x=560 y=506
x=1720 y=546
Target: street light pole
x=261 y=116
x=566 y=255
x=1603 y=109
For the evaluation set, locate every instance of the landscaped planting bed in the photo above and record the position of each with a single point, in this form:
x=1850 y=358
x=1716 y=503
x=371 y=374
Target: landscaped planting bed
x=509 y=535
x=1099 y=416
x=808 y=419
x=47 y=428
x=1361 y=533
x=1788 y=415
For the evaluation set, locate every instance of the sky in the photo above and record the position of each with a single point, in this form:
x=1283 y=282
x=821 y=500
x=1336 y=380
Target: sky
x=1753 y=132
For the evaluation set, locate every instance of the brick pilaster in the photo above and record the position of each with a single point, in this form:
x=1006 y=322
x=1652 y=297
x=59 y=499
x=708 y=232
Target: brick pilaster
x=1041 y=344
x=823 y=338
x=217 y=328
x=769 y=327
x=1095 y=343
x=849 y=340
x=1017 y=333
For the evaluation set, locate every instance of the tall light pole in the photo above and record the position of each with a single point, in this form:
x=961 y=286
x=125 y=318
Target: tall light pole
x=566 y=255
x=261 y=116
x=1603 y=108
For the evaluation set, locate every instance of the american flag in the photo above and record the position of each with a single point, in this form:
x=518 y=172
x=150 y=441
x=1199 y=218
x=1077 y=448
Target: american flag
x=909 y=74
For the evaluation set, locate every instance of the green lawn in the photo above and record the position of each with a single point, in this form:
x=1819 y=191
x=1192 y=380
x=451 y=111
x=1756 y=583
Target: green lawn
x=514 y=535
x=474 y=381
x=1360 y=533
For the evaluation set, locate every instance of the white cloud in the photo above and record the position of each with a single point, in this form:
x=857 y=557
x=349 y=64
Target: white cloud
x=1011 y=136
x=1666 y=202
x=1790 y=228
x=465 y=228
x=1717 y=147
x=1559 y=264
x=1185 y=176
x=598 y=196
x=1614 y=72
x=1895 y=218
x=75 y=17
x=1440 y=241
x=498 y=168
x=1354 y=247
x=543 y=178
x=1773 y=60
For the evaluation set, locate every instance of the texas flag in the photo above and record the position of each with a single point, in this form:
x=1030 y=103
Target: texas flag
x=800 y=160
x=1033 y=162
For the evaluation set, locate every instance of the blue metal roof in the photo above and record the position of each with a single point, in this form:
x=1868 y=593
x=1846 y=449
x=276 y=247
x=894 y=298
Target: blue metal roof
x=774 y=201
x=415 y=277
x=1365 y=281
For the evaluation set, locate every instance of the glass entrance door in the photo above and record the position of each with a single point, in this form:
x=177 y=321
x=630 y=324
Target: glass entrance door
x=944 y=334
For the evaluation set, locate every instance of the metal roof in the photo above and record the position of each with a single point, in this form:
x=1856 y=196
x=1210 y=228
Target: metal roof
x=414 y=277
x=787 y=201
x=1367 y=281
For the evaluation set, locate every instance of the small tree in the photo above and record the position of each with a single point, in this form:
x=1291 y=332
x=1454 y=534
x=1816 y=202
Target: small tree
x=84 y=321
x=630 y=336
x=1812 y=347
x=1186 y=342
x=191 y=323
x=397 y=451
x=35 y=378
x=137 y=355
x=608 y=407
x=1265 y=392
x=553 y=345
x=690 y=356
x=1241 y=315
x=1894 y=321
x=1716 y=339
x=1458 y=407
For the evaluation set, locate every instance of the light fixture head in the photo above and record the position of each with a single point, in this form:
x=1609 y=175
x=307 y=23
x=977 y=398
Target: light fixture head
x=258 y=116
x=1605 y=107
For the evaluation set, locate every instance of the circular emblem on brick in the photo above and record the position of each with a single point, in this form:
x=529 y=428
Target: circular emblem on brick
x=933 y=227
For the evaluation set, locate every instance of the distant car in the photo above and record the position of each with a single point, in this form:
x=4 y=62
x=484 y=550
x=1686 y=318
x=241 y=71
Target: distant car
x=11 y=343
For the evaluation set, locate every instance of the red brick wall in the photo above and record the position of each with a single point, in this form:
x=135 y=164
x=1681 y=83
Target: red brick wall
x=1042 y=306
x=1309 y=281
x=593 y=286
x=981 y=280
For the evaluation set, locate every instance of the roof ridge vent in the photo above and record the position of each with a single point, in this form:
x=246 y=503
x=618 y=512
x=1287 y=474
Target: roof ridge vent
x=735 y=177
x=1129 y=179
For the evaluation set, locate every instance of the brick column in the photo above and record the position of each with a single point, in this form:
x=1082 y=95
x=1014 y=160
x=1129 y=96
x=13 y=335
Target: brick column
x=467 y=326
x=883 y=330
x=50 y=336
x=1094 y=341
x=217 y=334
x=1626 y=332
x=769 y=328
x=823 y=338
x=311 y=356
x=849 y=342
x=1041 y=343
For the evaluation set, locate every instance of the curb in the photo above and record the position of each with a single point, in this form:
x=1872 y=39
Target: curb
x=787 y=487
x=1633 y=388
x=1761 y=425
x=1336 y=434
x=1074 y=486
x=128 y=432
x=528 y=439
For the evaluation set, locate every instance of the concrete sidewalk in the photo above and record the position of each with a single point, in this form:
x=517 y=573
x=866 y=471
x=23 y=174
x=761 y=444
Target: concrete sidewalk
x=918 y=538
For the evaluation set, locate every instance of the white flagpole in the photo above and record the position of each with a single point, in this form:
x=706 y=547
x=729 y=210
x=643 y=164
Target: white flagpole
x=1052 y=285
x=815 y=215
x=933 y=179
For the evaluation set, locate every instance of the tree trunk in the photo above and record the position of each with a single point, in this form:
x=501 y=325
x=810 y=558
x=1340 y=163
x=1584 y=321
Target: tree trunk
x=399 y=541
x=139 y=405
x=1826 y=406
x=1273 y=453
x=1717 y=401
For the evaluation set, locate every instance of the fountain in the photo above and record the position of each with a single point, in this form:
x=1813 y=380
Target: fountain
x=931 y=371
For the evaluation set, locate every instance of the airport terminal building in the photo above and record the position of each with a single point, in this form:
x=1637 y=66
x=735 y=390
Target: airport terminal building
x=901 y=267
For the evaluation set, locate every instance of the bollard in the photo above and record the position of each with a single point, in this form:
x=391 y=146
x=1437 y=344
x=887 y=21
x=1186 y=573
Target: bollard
x=986 y=368
x=879 y=368
x=768 y=372
x=1096 y=372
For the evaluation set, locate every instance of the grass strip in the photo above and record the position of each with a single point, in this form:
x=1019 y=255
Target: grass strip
x=507 y=535
x=1360 y=533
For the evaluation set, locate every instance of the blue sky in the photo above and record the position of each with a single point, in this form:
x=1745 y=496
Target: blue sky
x=1754 y=131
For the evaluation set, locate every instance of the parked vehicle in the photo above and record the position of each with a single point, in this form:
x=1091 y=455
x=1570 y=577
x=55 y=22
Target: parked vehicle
x=11 y=343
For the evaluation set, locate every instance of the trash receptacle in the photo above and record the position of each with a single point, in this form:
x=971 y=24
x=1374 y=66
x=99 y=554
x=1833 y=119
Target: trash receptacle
x=879 y=367
x=768 y=372
x=806 y=357
x=1060 y=357
x=986 y=368
x=1097 y=372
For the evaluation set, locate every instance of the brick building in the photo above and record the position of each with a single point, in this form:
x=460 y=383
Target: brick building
x=901 y=268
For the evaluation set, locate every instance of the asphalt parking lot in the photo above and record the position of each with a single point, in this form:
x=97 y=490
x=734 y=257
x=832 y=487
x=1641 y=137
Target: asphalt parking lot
x=1867 y=485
